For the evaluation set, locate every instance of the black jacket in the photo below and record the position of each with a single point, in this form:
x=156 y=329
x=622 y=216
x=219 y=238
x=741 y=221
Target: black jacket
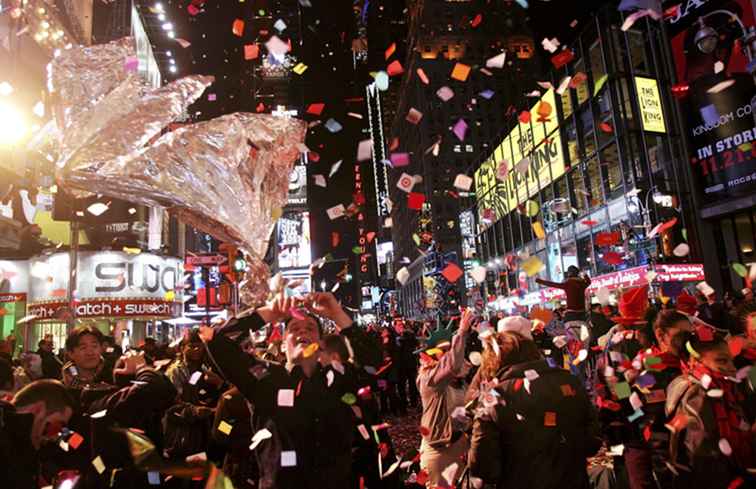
x=19 y=460
x=50 y=365
x=139 y=405
x=538 y=439
x=311 y=442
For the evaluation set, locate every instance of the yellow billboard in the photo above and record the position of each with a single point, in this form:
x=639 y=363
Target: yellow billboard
x=652 y=116
x=533 y=152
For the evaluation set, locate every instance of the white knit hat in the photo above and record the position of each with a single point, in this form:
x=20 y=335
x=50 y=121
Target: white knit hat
x=515 y=324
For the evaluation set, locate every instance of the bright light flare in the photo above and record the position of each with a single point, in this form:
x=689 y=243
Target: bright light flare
x=13 y=124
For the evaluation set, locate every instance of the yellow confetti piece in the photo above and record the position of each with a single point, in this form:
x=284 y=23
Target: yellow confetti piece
x=538 y=230
x=98 y=464
x=170 y=296
x=532 y=266
x=276 y=213
x=131 y=251
x=310 y=350
x=300 y=68
x=225 y=428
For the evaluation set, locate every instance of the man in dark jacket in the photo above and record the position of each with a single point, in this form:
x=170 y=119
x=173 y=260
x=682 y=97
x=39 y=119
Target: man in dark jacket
x=536 y=431
x=303 y=416
x=37 y=413
x=50 y=363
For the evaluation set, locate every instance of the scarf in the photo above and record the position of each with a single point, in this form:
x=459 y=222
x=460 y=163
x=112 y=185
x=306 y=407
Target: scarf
x=728 y=413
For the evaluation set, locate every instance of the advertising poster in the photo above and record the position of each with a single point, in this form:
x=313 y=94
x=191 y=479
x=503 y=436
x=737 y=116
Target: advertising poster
x=707 y=39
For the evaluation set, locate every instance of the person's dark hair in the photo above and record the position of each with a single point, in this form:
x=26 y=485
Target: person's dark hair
x=40 y=343
x=572 y=271
x=6 y=375
x=667 y=319
x=74 y=338
x=334 y=343
x=150 y=341
x=52 y=392
x=701 y=347
x=191 y=336
x=311 y=316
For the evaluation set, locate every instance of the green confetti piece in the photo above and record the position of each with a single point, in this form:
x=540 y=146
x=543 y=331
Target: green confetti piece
x=416 y=238
x=357 y=250
x=349 y=398
x=649 y=361
x=622 y=390
x=740 y=269
x=685 y=234
x=637 y=414
x=532 y=208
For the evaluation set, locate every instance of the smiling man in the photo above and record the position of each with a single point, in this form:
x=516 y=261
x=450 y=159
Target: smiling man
x=302 y=413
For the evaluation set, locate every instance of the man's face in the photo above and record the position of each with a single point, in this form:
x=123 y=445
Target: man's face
x=47 y=426
x=87 y=353
x=193 y=351
x=47 y=346
x=719 y=360
x=300 y=333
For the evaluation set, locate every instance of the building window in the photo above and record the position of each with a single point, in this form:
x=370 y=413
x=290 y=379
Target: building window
x=582 y=90
x=613 y=171
x=572 y=144
x=585 y=119
x=603 y=105
x=580 y=193
x=598 y=70
x=593 y=172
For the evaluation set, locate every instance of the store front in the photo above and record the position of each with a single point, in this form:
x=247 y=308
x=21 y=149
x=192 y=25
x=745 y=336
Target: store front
x=664 y=277
x=114 y=291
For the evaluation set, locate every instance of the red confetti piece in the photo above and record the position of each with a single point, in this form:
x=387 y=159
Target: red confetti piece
x=391 y=50
x=315 y=109
x=251 y=51
x=606 y=127
x=524 y=117
x=613 y=258
x=562 y=58
x=415 y=201
x=422 y=478
x=193 y=10
x=452 y=272
x=607 y=238
x=395 y=68
x=423 y=77
x=477 y=20
x=549 y=418
x=238 y=27
x=75 y=441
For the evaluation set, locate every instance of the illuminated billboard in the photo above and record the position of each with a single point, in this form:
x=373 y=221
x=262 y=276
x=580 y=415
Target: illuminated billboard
x=534 y=157
x=294 y=240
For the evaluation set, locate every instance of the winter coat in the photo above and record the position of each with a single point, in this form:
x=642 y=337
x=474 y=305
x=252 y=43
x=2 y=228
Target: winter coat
x=309 y=419
x=535 y=432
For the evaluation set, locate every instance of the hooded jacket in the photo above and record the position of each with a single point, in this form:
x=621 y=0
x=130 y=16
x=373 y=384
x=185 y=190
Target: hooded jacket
x=535 y=431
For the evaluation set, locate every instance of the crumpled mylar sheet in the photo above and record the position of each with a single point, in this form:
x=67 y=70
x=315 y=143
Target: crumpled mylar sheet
x=79 y=77
x=227 y=176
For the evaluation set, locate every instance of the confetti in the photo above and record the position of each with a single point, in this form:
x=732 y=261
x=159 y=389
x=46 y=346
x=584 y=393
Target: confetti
x=98 y=464
x=423 y=77
x=402 y=275
x=288 y=458
x=390 y=51
x=286 y=397
x=445 y=93
x=414 y=116
x=460 y=72
x=225 y=428
x=299 y=68
x=260 y=436
x=399 y=160
x=336 y=212
x=238 y=27
x=460 y=129
x=395 y=68
x=405 y=183
x=463 y=182
x=365 y=150
x=333 y=126
x=497 y=61
x=382 y=81
x=415 y=201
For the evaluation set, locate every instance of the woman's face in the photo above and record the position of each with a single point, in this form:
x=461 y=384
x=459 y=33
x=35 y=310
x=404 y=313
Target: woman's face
x=194 y=351
x=87 y=353
x=719 y=360
x=673 y=339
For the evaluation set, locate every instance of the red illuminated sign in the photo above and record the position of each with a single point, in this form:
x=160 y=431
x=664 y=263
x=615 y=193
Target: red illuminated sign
x=98 y=308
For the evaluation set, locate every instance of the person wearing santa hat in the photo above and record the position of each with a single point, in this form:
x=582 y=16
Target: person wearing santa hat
x=614 y=372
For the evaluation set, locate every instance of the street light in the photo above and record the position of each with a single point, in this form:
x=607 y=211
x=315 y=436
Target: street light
x=706 y=38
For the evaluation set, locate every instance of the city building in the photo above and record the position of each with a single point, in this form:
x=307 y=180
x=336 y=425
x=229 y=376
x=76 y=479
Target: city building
x=431 y=100
x=593 y=174
x=713 y=47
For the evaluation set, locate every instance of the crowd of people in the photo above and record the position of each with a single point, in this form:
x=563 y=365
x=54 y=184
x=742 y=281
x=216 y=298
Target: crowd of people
x=294 y=394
